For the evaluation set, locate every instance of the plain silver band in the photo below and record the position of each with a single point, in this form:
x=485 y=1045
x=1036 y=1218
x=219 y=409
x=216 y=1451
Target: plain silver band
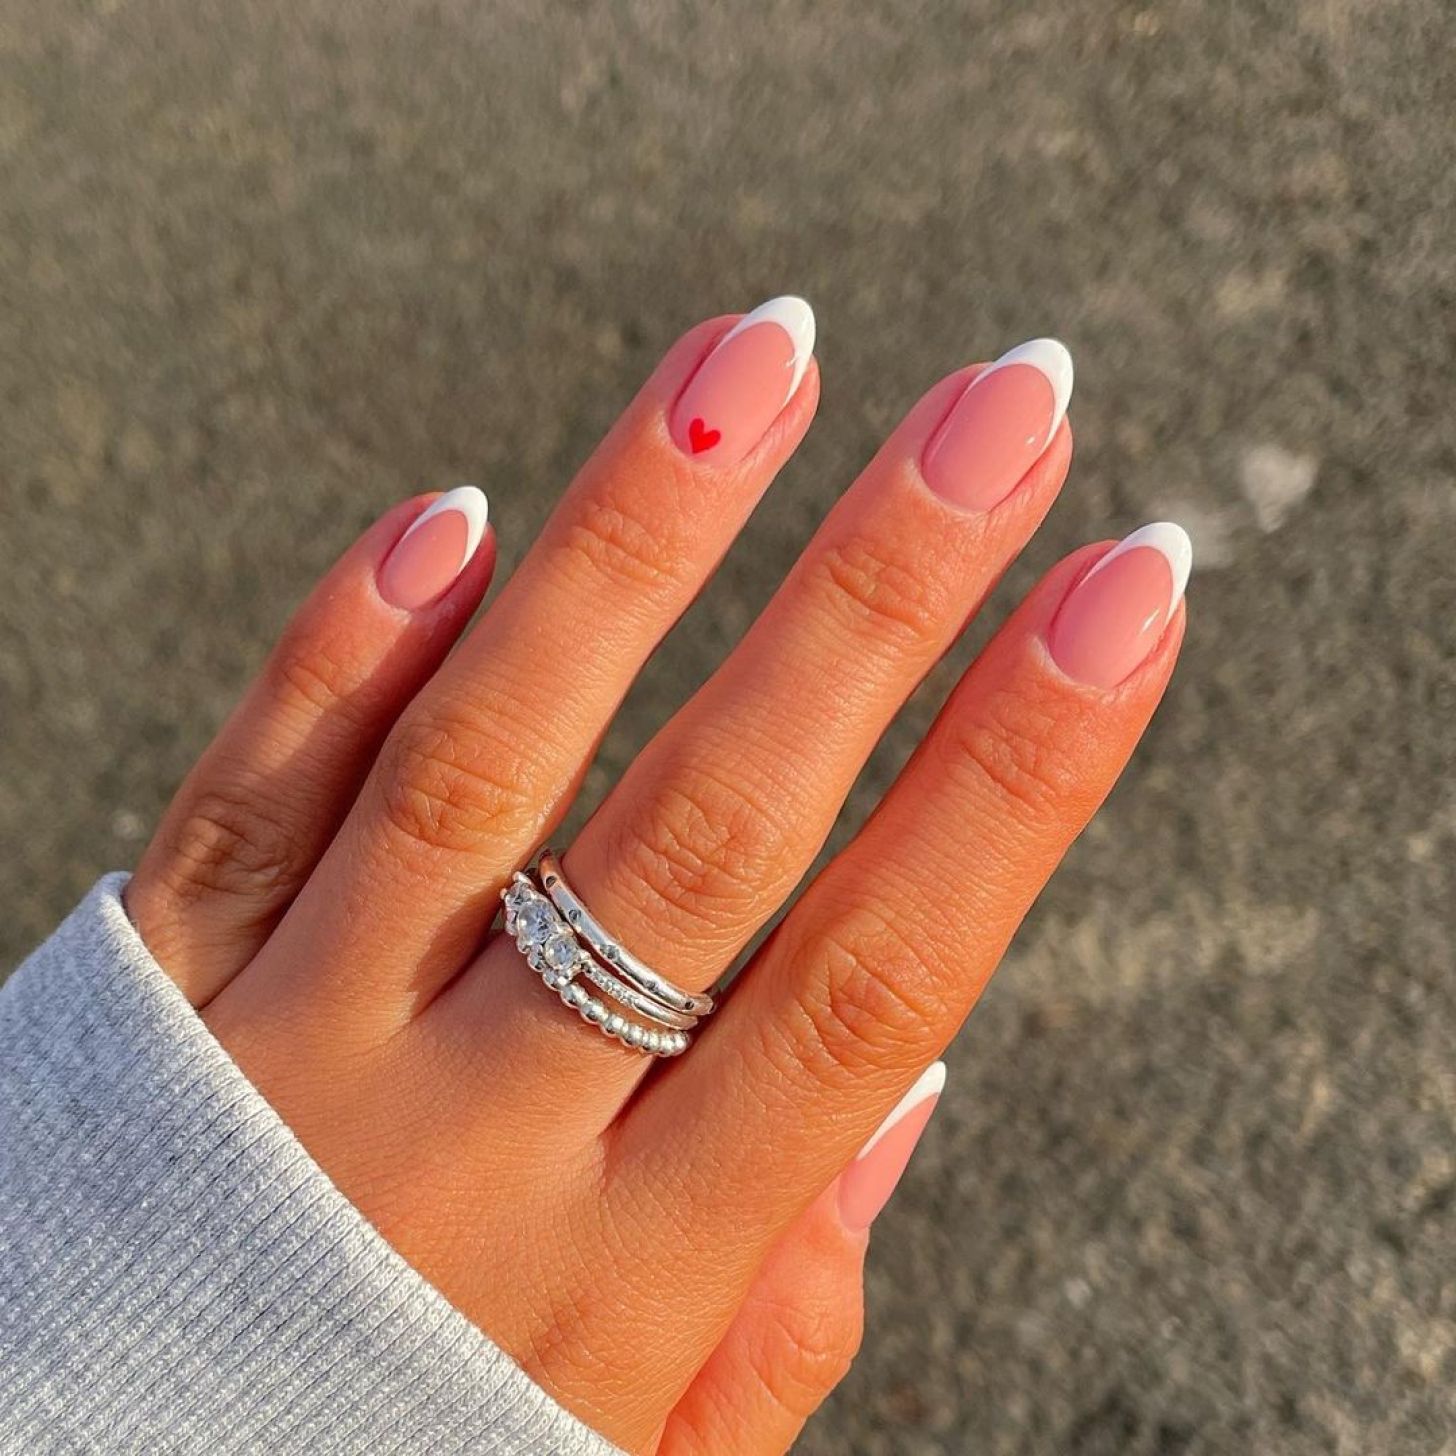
x=640 y=977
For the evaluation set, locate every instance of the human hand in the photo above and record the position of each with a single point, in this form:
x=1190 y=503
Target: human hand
x=672 y=1249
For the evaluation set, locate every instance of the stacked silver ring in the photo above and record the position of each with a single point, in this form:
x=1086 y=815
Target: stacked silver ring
x=565 y=945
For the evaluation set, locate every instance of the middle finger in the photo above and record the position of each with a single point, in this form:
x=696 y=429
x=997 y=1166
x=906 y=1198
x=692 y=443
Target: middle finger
x=716 y=821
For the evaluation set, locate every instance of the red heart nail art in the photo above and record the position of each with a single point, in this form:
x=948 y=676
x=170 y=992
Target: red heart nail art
x=701 y=438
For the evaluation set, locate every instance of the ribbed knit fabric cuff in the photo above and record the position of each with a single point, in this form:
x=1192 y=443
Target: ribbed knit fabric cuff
x=178 y=1275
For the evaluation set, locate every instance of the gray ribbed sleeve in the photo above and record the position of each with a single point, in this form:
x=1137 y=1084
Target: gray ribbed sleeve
x=178 y=1275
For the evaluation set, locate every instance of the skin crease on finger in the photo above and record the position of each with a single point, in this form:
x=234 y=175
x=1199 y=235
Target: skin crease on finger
x=437 y=1125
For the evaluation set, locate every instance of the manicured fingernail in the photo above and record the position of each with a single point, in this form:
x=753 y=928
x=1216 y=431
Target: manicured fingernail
x=1115 y=614
x=742 y=385
x=999 y=427
x=866 y=1185
x=435 y=550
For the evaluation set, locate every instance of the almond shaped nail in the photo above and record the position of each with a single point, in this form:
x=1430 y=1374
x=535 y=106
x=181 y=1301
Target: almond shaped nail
x=1113 y=617
x=739 y=389
x=438 y=546
x=1000 y=426
x=866 y=1185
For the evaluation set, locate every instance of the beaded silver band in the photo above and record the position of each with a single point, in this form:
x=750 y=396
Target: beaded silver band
x=640 y=977
x=553 y=951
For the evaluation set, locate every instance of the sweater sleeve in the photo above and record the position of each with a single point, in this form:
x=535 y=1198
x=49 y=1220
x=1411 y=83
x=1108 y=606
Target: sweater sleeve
x=178 y=1275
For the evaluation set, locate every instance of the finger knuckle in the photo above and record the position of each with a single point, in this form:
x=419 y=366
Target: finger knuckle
x=705 y=851
x=1015 y=747
x=308 y=674
x=453 y=784
x=804 y=1349
x=871 y=993
x=618 y=546
x=869 y=591
x=226 y=843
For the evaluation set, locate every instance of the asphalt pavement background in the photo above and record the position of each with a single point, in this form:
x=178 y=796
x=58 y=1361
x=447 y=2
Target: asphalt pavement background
x=266 y=267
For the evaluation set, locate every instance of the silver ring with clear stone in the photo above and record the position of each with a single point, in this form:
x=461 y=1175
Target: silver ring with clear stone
x=552 y=950
x=602 y=945
x=558 y=948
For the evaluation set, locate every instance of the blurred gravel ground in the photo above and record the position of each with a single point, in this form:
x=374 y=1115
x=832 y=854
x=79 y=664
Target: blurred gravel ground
x=265 y=267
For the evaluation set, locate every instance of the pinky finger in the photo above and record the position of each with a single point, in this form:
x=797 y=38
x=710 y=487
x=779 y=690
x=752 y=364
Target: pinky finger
x=797 y=1333
x=253 y=817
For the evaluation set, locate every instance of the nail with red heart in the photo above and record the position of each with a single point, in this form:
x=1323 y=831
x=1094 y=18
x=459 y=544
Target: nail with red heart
x=742 y=385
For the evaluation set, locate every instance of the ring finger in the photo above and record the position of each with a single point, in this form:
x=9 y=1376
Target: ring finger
x=486 y=758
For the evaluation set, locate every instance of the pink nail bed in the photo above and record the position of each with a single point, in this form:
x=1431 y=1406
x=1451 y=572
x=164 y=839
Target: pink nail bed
x=1116 y=613
x=742 y=385
x=434 y=551
x=999 y=427
x=866 y=1185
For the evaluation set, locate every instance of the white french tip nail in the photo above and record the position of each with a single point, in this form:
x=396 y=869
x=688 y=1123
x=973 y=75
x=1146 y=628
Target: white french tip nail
x=470 y=501
x=794 y=316
x=1165 y=536
x=930 y=1083
x=1054 y=360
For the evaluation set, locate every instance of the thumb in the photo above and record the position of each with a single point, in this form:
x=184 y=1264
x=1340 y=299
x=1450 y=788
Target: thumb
x=798 y=1330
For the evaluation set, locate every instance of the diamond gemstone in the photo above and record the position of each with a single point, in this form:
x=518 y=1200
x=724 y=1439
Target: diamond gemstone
x=516 y=898
x=559 y=952
x=534 y=921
